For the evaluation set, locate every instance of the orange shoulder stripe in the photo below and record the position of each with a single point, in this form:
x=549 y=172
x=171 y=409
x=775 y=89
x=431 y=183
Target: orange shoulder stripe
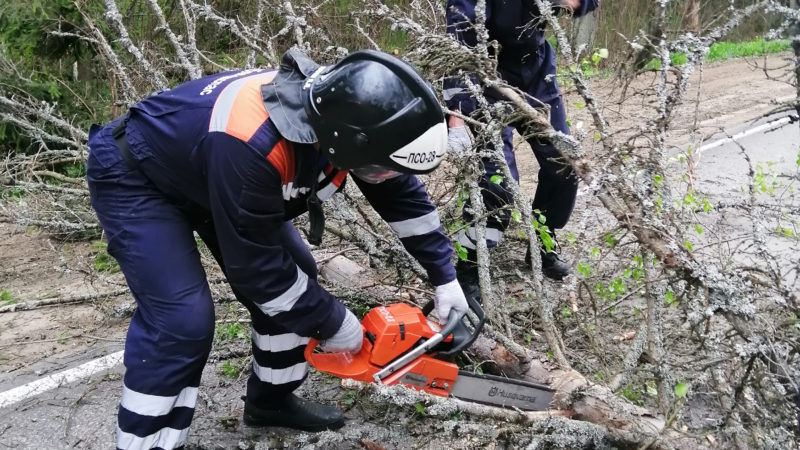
x=282 y=158
x=248 y=112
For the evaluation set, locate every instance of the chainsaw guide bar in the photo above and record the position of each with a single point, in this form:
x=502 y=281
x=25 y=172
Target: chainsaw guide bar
x=503 y=392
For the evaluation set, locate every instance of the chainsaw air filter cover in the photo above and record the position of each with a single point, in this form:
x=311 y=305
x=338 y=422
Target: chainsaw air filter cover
x=395 y=329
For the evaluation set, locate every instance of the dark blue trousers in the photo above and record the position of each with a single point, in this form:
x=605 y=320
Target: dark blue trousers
x=555 y=192
x=171 y=332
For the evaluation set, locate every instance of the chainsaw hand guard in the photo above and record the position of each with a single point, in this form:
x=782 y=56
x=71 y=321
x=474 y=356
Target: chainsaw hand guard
x=465 y=331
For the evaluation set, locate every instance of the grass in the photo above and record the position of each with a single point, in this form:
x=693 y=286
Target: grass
x=6 y=298
x=102 y=261
x=721 y=51
x=231 y=331
x=728 y=50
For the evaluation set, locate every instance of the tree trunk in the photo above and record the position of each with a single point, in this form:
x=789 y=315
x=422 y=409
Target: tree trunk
x=691 y=16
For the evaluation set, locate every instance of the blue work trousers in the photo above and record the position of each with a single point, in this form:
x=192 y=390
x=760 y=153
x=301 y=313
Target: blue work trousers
x=169 y=339
x=555 y=191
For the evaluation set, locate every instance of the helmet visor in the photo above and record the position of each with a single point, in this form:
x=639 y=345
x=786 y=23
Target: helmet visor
x=374 y=173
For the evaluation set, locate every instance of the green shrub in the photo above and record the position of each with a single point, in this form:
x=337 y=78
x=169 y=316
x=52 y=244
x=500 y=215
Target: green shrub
x=102 y=261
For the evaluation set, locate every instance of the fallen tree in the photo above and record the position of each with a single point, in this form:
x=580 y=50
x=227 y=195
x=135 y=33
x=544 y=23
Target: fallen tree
x=672 y=308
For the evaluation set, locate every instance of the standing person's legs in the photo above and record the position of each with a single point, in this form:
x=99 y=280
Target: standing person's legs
x=555 y=191
x=170 y=334
x=496 y=200
x=558 y=185
x=279 y=364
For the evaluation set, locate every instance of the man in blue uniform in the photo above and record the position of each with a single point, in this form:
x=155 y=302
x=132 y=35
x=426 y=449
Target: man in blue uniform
x=234 y=157
x=525 y=60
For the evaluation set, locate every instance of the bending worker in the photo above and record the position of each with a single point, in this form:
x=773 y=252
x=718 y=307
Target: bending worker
x=234 y=157
x=525 y=60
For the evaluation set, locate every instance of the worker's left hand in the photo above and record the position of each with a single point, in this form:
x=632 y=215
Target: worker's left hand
x=450 y=296
x=458 y=140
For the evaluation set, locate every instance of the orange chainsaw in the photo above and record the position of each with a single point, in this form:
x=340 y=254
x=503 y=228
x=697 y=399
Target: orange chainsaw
x=401 y=345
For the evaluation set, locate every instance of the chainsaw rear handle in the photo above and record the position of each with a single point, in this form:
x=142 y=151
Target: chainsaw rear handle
x=462 y=337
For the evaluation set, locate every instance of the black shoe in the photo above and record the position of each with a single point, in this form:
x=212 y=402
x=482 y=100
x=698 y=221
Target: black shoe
x=467 y=276
x=553 y=266
x=294 y=412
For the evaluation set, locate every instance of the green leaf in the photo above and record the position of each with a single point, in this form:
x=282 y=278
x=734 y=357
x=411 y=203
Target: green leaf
x=516 y=215
x=698 y=229
x=461 y=251
x=566 y=312
x=688 y=245
x=584 y=269
x=496 y=179
x=547 y=240
x=611 y=240
x=579 y=105
x=670 y=299
x=571 y=238
x=650 y=388
x=420 y=408
x=230 y=370
x=542 y=219
x=598 y=376
x=681 y=389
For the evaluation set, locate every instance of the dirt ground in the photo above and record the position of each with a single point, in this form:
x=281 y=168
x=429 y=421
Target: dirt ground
x=35 y=267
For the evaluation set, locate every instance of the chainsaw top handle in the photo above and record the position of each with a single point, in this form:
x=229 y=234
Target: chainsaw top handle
x=463 y=337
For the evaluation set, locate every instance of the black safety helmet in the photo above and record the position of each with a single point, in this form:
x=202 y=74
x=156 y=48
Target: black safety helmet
x=372 y=110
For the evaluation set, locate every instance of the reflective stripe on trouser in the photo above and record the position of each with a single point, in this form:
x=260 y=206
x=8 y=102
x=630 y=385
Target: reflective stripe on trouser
x=279 y=365
x=555 y=191
x=170 y=334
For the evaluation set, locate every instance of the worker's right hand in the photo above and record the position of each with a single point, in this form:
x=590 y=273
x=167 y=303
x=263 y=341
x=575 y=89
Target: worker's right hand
x=349 y=337
x=458 y=140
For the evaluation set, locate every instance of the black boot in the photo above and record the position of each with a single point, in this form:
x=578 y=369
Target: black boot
x=553 y=266
x=294 y=412
x=467 y=276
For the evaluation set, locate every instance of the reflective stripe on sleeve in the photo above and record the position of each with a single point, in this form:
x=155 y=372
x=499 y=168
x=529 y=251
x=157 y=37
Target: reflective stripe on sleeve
x=286 y=301
x=417 y=226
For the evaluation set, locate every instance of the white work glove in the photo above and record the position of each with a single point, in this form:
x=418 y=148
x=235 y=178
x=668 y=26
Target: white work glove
x=458 y=140
x=450 y=296
x=349 y=337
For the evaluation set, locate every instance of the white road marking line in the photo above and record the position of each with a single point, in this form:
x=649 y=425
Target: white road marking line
x=49 y=382
x=763 y=127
